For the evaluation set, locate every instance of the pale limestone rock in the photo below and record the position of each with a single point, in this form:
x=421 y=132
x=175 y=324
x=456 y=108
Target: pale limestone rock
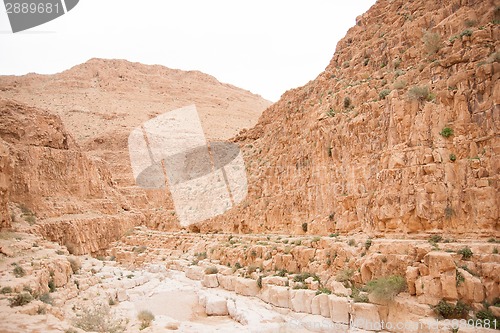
x=301 y=299
x=216 y=306
x=210 y=281
x=320 y=305
x=246 y=287
x=439 y=262
x=366 y=316
x=195 y=272
x=279 y=296
x=339 y=309
x=226 y=281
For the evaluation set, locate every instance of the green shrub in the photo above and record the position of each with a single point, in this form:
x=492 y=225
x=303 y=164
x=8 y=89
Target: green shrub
x=459 y=278
x=201 y=255
x=386 y=288
x=237 y=265
x=98 y=318
x=466 y=252
x=145 y=317
x=6 y=290
x=432 y=42
x=383 y=94
x=451 y=311
x=466 y=32
x=345 y=276
x=435 y=239
x=446 y=132
x=211 y=270
x=46 y=298
x=420 y=93
x=304 y=227
x=358 y=296
x=21 y=299
x=316 y=239
x=303 y=276
x=323 y=291
x=300 y=286
x=19 y=271
x=368 y=243
x=282 y=273
x=251 y=269
x=453 y=157
x=334 y=235
x=351 y=242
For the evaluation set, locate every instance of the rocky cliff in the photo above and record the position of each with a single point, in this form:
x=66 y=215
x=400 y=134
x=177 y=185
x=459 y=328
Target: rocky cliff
x=66 y=195
x=101 y=101
x=399 y=134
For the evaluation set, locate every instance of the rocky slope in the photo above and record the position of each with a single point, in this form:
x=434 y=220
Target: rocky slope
x=399 y=135
x=66 y=195
x=101 y=101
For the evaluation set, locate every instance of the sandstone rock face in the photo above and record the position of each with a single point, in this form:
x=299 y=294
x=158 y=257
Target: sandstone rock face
x=101 y=101
x=70 y=195
x=397 y=135
x=5 y=172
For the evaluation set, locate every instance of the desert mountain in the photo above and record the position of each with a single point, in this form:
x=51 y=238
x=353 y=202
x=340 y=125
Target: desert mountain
x=399 y=134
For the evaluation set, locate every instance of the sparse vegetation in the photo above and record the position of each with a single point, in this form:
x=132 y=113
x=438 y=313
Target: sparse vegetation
x=347 y=103
x=368 y=243
x=446 y=132
x=453 y=157
x=345 y=276
x=211 y=270
x=459 y=278
x=98 y=318
x=435 y=238
x=351 y=242
x=466 y=252
x=383 y=94
x=21 y=299
x=304 y=227
x=323 y=291
x=432 y=42
x=52 y=285
x=19 y=271
x=400 y=84
x=386 y=288
x=451 y=311
x=6 y=290
x=420 y=93
x=282 y=273
x=46 y=298
x=466 y=32
x=145 y=317
x=303 y=276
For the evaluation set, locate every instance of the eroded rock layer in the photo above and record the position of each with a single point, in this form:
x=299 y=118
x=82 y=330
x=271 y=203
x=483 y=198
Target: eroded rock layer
x=399 y=135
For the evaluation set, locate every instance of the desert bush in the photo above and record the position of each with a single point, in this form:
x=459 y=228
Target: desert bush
x=21 y=299
x=98 y=318
x=420 y=93
x=52 y=285
x=435 y=239
x=251 y=269
x=432 y=42
x=446 y=132
x=145 y=317
x=466 y=32
x=400 y=84
x=6 y=290
x=19 y=271
x=303 y=276
x=466 y=252
x=453 y=157
x=304 y=227
x=46 y=298
x=386 y=288
x=300 y=286
x=451 y=311
x=345 y=276
x=368 y=243
x=347 y=102
x=383 y=94
x=282 y=273
x=323 y=291
x=211 y=270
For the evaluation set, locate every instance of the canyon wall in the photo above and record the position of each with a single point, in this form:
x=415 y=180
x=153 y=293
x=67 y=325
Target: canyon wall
x=399 y=134
x=64 y=194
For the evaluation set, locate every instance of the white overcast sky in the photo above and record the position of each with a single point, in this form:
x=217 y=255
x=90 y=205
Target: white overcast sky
x=266 y=47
